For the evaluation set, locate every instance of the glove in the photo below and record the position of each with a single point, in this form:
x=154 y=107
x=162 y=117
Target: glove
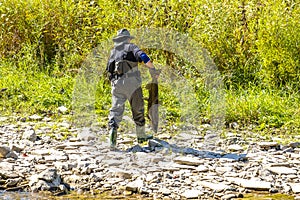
x=154 y=72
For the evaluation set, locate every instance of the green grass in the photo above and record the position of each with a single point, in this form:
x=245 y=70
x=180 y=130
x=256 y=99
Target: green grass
x=27 y=93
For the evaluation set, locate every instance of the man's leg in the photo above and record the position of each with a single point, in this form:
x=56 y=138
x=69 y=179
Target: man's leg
x=115 y=116
x=137 y=108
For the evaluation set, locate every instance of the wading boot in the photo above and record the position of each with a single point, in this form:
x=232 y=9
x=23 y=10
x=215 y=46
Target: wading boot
x=141 y=135
x=113 y=138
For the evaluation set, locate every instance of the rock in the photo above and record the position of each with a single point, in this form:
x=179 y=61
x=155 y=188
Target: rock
x=62 y=109
x=12 y=182
x=3 y=119
x=282 y=170
x=29 y=135
x=136 y=148
x=273 y=190
x=267 y=145
x=253 y=184
x=192 y=194
x=86 y=135
x=17 y=148
x=295 y=187
x=35 y=117
x=228 y=196
x=134 y=185
x=297 y=197
x=218 y=187
x=45 y=181
x=12 y=154
x=119 y=173
x=202 y=168
x=4 y=151
x=165 y=191
x=294 y=145
x=187 y=160
x=235 y=147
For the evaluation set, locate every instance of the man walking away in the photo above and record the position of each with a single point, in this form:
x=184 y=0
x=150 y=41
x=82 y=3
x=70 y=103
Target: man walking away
x=126 y=82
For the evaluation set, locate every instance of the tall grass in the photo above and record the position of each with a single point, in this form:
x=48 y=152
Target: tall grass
x=254 y=44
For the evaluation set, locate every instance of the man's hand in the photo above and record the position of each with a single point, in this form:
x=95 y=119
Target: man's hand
x=154 y=72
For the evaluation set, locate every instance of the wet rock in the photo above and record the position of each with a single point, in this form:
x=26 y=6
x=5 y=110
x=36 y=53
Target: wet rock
x=47 y=180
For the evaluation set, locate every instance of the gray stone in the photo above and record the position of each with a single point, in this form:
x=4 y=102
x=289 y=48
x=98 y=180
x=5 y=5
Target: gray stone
x=119 y=173
x=192 y=194
x=16 y=148
x=62 y=109
x=4 y=151
x=250 y=184
x=282 y=170
x=202 y=168
x=267 y=145
x=35 y=117
x=297 y=197
x=235 y=147
x=12 y=182
x=295 y=187
x=134 y=185
x=228 y=196
x=218 y=187
x=29 y=135
x=187 y=160
x=165 y=191
x=86 y=135
x=12 y=154
x=294 y=145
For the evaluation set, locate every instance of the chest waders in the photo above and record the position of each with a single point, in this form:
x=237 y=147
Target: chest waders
x=126 y=85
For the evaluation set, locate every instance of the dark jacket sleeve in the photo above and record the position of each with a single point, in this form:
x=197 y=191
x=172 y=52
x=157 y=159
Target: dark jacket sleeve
x=137 y=52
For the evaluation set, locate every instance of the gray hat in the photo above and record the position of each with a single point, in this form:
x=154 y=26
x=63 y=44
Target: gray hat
x=122 y=35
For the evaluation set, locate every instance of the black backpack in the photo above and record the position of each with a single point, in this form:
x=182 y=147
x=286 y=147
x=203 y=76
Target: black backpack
x=118 y=63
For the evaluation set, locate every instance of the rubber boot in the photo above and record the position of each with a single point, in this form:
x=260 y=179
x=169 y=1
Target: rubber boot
x=113 y=138
x=141 y=135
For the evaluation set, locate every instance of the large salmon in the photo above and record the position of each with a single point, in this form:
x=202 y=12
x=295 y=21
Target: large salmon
x=153 y=103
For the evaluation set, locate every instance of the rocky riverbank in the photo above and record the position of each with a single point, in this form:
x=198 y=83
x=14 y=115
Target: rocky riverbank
x=38 y=154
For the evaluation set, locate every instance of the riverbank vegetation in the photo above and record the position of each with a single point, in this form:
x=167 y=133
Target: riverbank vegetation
x=254 y=45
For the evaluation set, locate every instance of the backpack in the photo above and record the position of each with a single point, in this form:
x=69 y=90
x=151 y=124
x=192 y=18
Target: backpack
x=117 y=64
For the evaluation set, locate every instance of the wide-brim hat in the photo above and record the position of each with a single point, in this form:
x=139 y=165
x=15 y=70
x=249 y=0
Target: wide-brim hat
x=122 y=35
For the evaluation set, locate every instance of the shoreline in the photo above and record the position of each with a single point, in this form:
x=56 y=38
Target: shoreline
x=38 y=157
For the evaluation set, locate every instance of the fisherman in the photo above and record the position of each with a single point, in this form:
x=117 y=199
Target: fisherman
x=122 y=68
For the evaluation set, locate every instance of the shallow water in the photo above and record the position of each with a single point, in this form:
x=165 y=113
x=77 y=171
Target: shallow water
x=39 y=196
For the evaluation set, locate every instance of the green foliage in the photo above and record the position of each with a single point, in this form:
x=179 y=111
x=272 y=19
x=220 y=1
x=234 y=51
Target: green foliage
x=254 y=44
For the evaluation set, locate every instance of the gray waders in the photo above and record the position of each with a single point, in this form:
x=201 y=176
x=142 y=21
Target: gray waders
x=128 y=88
